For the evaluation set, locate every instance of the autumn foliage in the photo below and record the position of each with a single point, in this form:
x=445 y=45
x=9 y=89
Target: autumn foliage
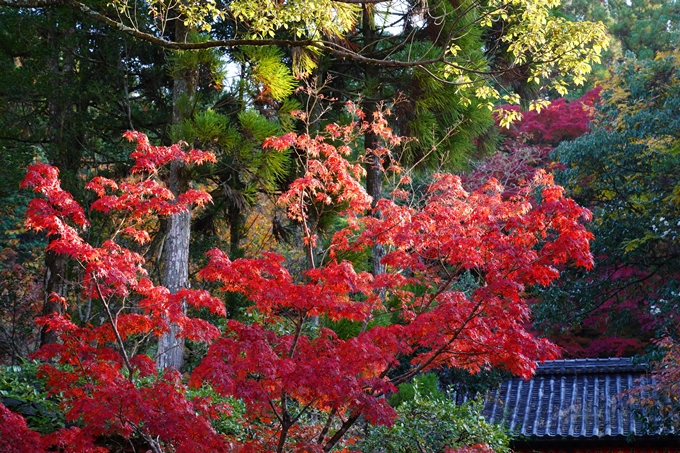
x=15 y=437
x=528 y=141
x=659 y=397
x=562 y=120
x=458 y=266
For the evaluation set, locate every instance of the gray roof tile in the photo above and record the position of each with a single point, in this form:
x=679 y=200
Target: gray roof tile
x=580 y=398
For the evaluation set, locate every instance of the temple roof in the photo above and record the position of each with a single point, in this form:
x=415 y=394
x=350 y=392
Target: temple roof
x=580 y=398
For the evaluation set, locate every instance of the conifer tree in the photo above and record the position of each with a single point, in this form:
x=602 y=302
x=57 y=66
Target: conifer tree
x=65 y=99
x=430 y=41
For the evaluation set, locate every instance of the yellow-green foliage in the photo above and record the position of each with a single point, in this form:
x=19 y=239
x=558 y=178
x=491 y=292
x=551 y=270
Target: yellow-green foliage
x=555 y=50
x=268 y=70
x=304 y=18
x=549 y=50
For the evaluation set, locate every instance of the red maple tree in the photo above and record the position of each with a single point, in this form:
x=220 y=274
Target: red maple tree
x=560 y=121
x=619 y=321
x=453 y=294
x=527 y=142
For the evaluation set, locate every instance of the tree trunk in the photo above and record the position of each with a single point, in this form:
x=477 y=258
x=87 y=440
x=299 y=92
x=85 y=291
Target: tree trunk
x=176 y=250
x=235 y=225
x=55 y=283
x=374 y=180
x=175 y=271
x=66 y=155
x=374 y=168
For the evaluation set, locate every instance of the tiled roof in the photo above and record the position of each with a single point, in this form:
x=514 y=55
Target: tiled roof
x=579 y=398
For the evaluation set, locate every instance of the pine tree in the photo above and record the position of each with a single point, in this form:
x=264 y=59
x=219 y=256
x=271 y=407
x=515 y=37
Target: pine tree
x=65 y=98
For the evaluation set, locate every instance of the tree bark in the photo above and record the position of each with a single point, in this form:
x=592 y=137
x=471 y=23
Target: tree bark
x=374 y=167
x=55 y=283
x=235 y=225
x=66 y=155
x=175 y=271
x=178 y=234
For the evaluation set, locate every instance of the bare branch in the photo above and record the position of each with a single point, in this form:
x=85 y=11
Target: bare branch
x=326 y=426
x=341 y=432
x=114 y=326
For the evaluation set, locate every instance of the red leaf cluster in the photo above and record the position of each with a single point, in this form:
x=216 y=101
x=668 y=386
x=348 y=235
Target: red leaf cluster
x=15 y=436
x=562 y=120
x=57 y=208
x=453 y=294
x=148 y=157
x=330 y=178
x=529 y=141
x=98 y=382
x=508 y=244
x=140 y=198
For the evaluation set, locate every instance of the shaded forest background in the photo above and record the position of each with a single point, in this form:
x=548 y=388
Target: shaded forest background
x=67 y=97
x=70 y=87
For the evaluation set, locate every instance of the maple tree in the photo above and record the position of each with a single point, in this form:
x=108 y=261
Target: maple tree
x=102 y=380
x=64 y=98
x=453 y=294
x=562 y=120
x=625 y=170
x=15 y=437
x=528 y=141
x=532 y=37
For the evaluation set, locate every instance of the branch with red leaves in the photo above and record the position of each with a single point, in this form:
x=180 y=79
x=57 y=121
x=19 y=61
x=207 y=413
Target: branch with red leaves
x=458 y=265
x=99 y=381
x=507 y=245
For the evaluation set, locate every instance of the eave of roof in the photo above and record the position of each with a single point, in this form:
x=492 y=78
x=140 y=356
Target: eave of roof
x=571 y=399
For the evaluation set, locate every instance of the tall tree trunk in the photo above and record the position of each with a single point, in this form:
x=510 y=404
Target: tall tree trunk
x=235 y=225
x=55 y=283
x=236 y=205
x=374 y=183
x=175 y=271
x=176 y=250
x=374 y=168
x=65 y=154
